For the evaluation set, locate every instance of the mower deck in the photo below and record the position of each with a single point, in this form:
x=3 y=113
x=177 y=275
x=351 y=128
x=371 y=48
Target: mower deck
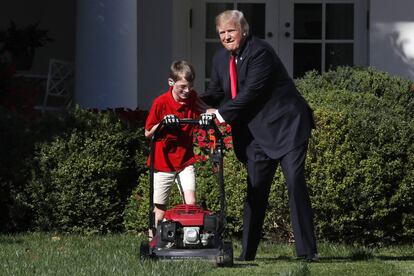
x=220 y=257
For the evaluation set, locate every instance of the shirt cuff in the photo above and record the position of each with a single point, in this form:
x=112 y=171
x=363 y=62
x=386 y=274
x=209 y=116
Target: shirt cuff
x=221 y=120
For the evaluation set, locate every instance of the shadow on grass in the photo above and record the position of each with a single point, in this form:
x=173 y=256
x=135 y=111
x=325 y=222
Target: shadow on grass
x=10 y=240
x=280 y=258
x=395 y=258
x=352 y=258
x=243 y=264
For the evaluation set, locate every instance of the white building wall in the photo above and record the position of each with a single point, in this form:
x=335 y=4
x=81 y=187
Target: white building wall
x=392 y=36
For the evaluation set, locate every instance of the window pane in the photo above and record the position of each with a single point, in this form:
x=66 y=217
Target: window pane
x=339 y=54
x=256 y=17
x=213 y=9
x=308 y=21
x=211 y=48
x=339 y=21
x=306 y=57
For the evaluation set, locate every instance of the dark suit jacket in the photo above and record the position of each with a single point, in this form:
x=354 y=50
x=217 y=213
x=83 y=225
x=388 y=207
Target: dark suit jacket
x=268 y=108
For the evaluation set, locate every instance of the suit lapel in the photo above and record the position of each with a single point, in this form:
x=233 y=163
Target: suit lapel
x=244 y=53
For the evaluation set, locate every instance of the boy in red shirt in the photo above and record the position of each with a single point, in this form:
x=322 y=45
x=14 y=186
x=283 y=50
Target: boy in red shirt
x=174 y=156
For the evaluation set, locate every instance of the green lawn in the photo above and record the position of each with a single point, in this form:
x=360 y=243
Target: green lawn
x=47 y=254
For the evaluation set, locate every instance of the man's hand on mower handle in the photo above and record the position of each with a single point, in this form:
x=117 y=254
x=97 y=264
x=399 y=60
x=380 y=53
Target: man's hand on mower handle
x=206 y=118
x=171 y=120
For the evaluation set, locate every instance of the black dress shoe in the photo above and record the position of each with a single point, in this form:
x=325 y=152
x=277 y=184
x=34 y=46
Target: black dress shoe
x=312 y=257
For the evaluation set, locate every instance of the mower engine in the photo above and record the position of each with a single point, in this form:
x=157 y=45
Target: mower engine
x=189 y=226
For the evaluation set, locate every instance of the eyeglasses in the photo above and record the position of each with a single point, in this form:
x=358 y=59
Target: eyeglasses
x=184 y=87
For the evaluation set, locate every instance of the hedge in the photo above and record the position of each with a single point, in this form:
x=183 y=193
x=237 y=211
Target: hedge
x=360 y=164
x=85 y=172
x=361 y=158
x=16 y=150
x=76 y=173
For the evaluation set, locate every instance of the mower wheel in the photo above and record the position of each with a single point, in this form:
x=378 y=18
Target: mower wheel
x=144 y=253
x=227 y=254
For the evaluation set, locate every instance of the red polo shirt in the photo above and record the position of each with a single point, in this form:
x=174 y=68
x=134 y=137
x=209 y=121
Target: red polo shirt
x=174 y=146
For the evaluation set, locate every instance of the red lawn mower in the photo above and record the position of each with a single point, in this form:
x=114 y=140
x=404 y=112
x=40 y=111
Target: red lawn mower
x=190 y=231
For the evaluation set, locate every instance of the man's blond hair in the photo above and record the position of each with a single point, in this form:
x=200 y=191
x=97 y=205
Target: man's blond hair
x=233 y=16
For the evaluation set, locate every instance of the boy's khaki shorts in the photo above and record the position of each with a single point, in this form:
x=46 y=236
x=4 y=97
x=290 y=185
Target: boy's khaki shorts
x=163 y=181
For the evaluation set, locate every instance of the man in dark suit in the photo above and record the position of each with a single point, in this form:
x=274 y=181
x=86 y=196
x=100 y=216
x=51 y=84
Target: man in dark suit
x=271 y=123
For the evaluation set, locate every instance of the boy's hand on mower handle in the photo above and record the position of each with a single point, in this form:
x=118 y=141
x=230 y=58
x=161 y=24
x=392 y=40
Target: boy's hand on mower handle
x=206 y=118
x=171 y=120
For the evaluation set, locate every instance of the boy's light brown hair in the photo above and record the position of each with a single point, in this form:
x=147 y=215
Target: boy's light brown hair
x=182 y=70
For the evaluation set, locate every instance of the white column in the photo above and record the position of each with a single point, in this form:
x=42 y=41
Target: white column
x=106 y=54
x=392 y=37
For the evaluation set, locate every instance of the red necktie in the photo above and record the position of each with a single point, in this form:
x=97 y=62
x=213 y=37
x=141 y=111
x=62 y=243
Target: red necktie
x=233 y=76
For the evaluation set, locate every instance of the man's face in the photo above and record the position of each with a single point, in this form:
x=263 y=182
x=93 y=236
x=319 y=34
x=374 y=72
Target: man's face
x=181 y=90
x=230 y=36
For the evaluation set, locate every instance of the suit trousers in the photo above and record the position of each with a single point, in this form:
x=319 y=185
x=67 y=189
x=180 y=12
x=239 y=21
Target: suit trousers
x=260 y=173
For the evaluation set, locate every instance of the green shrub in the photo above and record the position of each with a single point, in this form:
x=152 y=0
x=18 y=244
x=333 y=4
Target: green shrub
x=84 y=174
x=360 y=163
x=16 y=152
x=19 y=135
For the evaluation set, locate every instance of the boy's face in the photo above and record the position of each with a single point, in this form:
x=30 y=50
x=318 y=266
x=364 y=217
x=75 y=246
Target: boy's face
x=181 y=90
